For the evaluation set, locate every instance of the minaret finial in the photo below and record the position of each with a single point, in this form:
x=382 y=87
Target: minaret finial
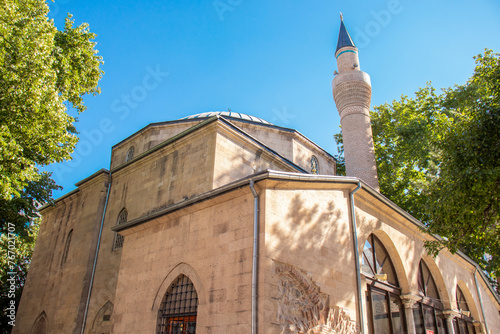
x=344 y=37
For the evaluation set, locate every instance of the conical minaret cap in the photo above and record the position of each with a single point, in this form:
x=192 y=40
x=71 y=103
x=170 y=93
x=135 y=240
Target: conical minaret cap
x=344 y=37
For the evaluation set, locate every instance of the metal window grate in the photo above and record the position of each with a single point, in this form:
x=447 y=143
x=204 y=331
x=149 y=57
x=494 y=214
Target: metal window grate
x=118 y=241
x=130 y=154
x=177 y=314
x=122 y=218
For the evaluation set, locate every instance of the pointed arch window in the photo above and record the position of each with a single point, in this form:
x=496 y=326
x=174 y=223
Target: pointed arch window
x=122 y=218
x=40 y=326
x=376 y=262
x=314 y=165
x=178 y=309
x=130 y=154
x=386 y=312
x=461 y=302
x=463 y=324
x=102 y=322
x=66 y=248
x=428 y=313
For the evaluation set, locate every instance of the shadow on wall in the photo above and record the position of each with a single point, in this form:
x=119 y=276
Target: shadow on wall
x=314 y=235
x=312 y=240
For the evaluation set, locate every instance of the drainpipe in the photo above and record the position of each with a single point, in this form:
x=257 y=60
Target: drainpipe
x=480 y=300
x=255 y=255
x=95 y=257
x=356 y=259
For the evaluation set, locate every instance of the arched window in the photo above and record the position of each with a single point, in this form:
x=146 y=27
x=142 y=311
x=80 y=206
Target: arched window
x=130 y=154
x=386 y=312
x=66 y=248
x=178 y=309
x=102 y=322
x=463 y=324
x=314 y=165
x=122 y=218
x=40 y=326
x=428 y=313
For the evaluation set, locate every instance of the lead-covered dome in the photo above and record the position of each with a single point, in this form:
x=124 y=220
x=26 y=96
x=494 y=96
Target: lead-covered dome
x=231 y=114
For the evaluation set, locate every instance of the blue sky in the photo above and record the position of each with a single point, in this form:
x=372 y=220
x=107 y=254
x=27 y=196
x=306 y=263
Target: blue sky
x=273 y=59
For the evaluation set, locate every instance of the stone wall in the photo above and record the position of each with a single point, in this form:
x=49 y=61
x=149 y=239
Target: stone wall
x=291 y=144
x=147 y=138
x=307 y=229
x=236 y=158
x=57 y=283
x=302 y=154
x=211 y=243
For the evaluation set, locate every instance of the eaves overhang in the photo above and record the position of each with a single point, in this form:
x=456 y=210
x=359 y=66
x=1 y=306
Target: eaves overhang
x=74 y=191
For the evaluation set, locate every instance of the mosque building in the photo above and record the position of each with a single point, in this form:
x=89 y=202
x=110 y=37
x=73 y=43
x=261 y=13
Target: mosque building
x=222 y=222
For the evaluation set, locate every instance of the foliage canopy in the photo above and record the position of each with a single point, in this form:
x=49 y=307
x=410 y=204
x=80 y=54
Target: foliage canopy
x=41 y=70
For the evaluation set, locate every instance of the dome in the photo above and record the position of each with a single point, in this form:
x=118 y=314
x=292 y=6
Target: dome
x=231 y=114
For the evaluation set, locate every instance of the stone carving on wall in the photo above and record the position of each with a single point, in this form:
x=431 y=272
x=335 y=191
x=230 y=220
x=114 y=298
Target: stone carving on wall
x=304 y=309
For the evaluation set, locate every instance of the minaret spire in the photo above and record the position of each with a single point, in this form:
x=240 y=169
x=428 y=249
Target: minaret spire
x=352 y=94
x=344 y=37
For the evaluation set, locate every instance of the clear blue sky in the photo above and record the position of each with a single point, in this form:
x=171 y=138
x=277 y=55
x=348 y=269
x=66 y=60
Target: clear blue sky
x=273 y=59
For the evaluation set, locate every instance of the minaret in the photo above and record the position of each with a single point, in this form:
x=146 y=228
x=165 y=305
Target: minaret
x=352 y=94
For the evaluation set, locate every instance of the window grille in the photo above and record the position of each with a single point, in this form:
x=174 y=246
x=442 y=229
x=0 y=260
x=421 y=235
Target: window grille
x=66 y=248
x=122 y=218
x=130 y=154
x=178 y=309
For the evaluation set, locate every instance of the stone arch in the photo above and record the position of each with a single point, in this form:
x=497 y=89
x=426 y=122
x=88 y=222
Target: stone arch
x=470 y=300
x=438 y=279
x=395 y=258
x=187 y=270
x=102 y=322
x=40 y=324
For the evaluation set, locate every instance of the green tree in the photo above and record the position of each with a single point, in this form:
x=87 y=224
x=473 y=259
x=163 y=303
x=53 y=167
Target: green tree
x=466 y=195
x=15 y=256
x=438 y=157
x=42 y=70
x=17 y=213
x=339 y=157
x=406 y=135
